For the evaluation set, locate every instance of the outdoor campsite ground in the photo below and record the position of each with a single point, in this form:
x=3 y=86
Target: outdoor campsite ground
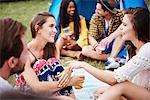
x=23 y=11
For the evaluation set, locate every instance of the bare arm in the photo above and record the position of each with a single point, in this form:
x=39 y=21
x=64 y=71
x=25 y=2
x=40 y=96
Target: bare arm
x=49 y=86
x=36 y=85
x=45 y=86
x=92 y=41
x=116 y=33
x=103 y=75
x=106 y=41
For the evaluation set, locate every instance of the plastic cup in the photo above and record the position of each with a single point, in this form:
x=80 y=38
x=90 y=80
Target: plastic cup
x=79 y=73
x=67 y=31
x=81 y=83
x=101 y=48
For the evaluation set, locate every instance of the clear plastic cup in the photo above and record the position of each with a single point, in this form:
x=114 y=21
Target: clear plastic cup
x=101 y=48
x=81 y=83
x=67 y=31
x=79 y=73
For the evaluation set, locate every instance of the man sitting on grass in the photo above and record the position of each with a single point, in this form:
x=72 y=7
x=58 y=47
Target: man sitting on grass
x=13 y=53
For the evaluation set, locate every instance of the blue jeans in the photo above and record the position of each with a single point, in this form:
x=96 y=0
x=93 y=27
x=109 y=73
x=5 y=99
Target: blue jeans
x=121 y=54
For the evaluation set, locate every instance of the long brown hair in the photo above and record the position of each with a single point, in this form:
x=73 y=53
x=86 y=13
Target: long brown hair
x=10 y=39
x=39 y=19
x=140 y=21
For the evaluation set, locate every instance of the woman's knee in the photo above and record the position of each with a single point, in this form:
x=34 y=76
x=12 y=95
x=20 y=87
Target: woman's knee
x=118 y=89
x=112 y=93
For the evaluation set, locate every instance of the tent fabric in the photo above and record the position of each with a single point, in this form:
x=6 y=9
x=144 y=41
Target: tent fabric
x=125 y=4
x=54 y=9
x=86 y=8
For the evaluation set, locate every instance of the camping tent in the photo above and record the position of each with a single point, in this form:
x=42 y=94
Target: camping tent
x=132 y=4
x=85 y=8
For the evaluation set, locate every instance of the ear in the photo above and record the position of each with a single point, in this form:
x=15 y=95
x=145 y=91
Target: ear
x=36 y=28
x=12 y=62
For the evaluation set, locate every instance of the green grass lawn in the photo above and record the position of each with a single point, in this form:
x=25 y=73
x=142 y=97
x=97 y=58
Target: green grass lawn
x=23 y=12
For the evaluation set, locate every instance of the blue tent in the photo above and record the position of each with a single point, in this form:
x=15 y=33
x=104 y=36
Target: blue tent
x=85 y=8
x=54 y=9
x=133 y=4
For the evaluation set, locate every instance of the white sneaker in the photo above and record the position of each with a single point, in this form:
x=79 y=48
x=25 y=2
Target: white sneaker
x=112 y=65
x=122 y=61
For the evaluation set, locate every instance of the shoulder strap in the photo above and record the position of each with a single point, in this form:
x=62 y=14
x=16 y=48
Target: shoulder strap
x=36 y=59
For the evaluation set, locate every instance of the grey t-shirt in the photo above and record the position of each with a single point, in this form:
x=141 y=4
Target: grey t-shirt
x=5 y=86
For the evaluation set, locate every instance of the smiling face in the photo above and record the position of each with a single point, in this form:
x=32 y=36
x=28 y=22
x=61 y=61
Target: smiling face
x=127 y=30
x=101 y=10
x=71 y=9
x=48 y=30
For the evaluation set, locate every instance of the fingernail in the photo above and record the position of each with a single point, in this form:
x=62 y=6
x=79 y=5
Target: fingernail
x=59 y=85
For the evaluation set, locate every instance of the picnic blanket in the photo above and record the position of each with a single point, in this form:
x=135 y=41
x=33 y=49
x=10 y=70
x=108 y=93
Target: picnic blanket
x=89 y=86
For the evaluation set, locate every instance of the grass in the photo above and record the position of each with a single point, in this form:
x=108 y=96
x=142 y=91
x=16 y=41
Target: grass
x=97 y=64
x=24 y=10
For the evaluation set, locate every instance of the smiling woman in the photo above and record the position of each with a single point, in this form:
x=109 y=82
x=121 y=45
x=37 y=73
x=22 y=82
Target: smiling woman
x=134 y=76
x=71 y=45
x=42 y=49
x=43 y=29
